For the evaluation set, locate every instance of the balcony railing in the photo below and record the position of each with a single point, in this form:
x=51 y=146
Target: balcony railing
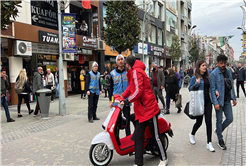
x=189 y=23
x=182 y=17
x=91 y=32
x=189 y=6
x=182 y=35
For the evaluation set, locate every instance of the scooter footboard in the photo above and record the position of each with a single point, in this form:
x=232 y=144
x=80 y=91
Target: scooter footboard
x=103 y=137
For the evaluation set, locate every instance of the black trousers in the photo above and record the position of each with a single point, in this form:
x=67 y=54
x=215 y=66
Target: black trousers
x=106 y=93
x=92 y=105
x=139 y=139
x=126 y=113
x=83 y=93
x=26 y=99
x=49 y=87
x=158 y=93
x=208 y=120
x=242 y=86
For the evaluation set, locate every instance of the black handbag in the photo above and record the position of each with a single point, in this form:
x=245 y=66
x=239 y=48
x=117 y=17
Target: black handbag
x=186 y=111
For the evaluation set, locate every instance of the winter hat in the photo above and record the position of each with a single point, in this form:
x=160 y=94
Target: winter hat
x=94 y=63
x=119 y=56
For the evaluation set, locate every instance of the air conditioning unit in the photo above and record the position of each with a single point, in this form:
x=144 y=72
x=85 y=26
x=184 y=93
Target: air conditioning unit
x=22 y=48
x=68 y=56
x=100 y=44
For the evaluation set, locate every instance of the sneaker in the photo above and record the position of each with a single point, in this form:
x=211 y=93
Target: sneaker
x=167 y=112
x=96 y=118
x=19 y=116
x=210 y=147
x=192 y=139
x=52 y=101
x=10 y=120
x=163 y=163
x=221 y=144
x=91 y=120
x=179 y=110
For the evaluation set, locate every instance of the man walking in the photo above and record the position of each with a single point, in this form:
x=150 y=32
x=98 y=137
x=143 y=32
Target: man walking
x=221 y=81
x=191 y=72
x=4 y=87
x=241 y=79
x=37 y=84
x=57 y=82
x=118 y=84
x=181 y=74
x=145 y=107
x=93 y=89
x=157 y=82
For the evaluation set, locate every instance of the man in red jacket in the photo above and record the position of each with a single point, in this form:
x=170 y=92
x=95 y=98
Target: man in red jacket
x=145 y=107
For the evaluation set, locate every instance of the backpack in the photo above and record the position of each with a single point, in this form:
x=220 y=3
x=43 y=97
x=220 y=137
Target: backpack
x=18 y=87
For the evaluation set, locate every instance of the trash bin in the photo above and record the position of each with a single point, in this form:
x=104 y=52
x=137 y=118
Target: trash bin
x=44 y=96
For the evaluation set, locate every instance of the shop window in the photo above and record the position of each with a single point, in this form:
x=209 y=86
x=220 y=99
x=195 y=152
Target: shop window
x=159 y=9
x=171 y=19
x=159 y=37
x=152 y=37
x=169 y=39
x=104 y=15
x=141 y=26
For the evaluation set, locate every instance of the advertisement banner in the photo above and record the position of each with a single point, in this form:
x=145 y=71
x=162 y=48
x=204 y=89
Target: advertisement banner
x=224 y=40
x=207 y=59
x=244 y=45
x=68 y=33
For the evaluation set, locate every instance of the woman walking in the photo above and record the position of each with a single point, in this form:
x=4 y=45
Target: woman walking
x=172 y=89
x=82 y=82
x=201 y=81
x=25 y=93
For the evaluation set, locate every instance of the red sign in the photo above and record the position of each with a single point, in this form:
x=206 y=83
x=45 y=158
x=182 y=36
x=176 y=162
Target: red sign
x=81 y=59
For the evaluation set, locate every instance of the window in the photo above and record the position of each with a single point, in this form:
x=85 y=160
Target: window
x=159 y=10
x=152 y=11
x=173 y=3
x=185 y=29
x=169 y=39
x=152 y=37
x=159 y=37
x=185 y=12
x=171 y=19
x=141 y=26
x=104 y=15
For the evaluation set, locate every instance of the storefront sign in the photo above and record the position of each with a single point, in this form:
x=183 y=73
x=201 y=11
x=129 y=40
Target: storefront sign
x=156 y=51
x=140 y=48
x=44 y=57
x=44 y=14
x=45 y=48
x=49 y=63
x=47 y=37
x=166 y=52
x=68 y=29
x=95 y=17
x=112 y=52
x=89 y=42
x=172 y=29
x=81 y=50
x=172 y=9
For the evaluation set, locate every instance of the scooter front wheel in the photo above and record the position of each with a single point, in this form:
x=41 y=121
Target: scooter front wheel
x=100 y=154
x=166 y=142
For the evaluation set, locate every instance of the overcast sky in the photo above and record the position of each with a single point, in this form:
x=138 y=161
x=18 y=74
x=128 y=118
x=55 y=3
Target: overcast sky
x=219 y=18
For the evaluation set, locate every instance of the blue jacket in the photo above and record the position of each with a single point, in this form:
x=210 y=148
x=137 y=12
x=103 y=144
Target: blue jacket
x=217 y=83
x=181 y=73
x=94 y=83
x=194 y=83
x=120 y=81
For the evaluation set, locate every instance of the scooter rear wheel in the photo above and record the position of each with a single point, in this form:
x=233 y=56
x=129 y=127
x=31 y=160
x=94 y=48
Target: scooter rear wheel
x=166 y=142
x=98 y=157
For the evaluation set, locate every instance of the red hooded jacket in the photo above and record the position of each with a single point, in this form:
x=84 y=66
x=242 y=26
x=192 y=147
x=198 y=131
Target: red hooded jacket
x=141 y=93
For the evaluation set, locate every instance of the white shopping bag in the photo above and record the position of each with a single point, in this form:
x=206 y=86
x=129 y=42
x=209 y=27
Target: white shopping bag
x=196 y=107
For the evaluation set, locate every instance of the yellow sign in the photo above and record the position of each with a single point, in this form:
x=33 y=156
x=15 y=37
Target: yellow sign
x=244 y=45
x=51 y=67
x=112 y=52
x=172 y=9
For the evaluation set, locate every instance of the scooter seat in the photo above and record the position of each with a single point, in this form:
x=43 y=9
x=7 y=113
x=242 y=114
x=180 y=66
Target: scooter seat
x=126 y=142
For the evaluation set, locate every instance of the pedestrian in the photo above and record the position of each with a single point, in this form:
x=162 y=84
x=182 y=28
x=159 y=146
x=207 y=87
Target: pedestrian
x=25 y=93
x=191 y=72
x=201 y=81
x=185 y=72
x=37 y=85
x=241 y=79
x=181 y=74
x=57 y=82
x=106 y=85
x=50 y=82
x=146 y=109
x=4 y=87
x=165 y=72
x=118 y=84
x=157 y=83
x=177 y=74
x=172 y=89
x=221 y=81
x=82 y=83
x=93 y=89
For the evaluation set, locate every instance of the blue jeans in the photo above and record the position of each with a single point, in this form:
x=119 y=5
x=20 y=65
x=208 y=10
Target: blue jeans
x=220 y=127
x=57 y=89
x=168 y=102
x=5 y=106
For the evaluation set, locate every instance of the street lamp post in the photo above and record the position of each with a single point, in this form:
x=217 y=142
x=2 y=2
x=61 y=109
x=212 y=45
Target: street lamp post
x=187 y=44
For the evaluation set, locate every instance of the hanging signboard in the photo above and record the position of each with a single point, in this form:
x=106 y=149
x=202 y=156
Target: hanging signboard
x=44 y=14
x=207 y=59
x=48 y=37
x=68 y=32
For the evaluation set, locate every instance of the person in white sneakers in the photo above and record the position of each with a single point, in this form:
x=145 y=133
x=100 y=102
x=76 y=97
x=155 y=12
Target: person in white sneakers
x=201 y=81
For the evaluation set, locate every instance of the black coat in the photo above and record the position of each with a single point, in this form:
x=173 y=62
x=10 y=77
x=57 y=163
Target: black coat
x=171 y=86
